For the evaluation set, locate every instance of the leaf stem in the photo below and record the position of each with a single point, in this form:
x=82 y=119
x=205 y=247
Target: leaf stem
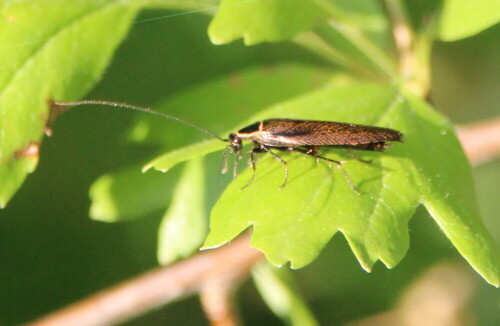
x=373 y=54
x=315 y=43
x=413 y=50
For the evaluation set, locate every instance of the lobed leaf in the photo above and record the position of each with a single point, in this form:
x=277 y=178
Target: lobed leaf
x=444 y=179
x=295 y=223
x=53 y=51
x=49 y=50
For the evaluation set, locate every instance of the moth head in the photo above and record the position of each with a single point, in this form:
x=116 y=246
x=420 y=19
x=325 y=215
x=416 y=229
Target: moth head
x=235 y=142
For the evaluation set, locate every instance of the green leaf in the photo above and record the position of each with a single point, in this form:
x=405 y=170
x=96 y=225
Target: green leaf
x=184 y=225
x=129 y=194
x=12 y=175
x=295 y=223
x=446 y=186
x=278 y=289
x=259 y=21
x=461 y=19
x=49 y=50
x=201 y=6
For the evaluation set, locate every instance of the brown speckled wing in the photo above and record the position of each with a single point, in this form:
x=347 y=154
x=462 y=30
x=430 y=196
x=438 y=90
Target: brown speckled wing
x=286 y=132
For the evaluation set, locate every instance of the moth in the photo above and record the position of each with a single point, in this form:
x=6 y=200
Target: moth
x=267 y=136
x=308 y=136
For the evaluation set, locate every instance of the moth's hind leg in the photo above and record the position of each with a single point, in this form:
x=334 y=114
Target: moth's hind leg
x=313 y=151
x=279 y=159
x=380 y=146
x=357 y=158
x=372 y=147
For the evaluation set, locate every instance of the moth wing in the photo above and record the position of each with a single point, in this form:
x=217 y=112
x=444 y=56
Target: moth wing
x=284 y=132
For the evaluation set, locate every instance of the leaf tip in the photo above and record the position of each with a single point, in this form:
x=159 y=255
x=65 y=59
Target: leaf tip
x=146 y=168
x=492 y=279
x=98 y=213
x=213 y=35
x=150 y=166
x=366 y=267
x=293 y=264
x=154 y=165
x=216 y=41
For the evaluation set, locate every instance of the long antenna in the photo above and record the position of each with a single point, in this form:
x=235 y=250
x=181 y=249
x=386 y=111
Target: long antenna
x=141 y=109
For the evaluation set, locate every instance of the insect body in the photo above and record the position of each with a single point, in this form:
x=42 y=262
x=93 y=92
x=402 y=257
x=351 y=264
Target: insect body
x=306 y=136
x=303 y=136
x=292 y=133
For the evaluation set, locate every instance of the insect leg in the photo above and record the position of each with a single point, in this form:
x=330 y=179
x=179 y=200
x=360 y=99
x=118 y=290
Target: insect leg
x=281 y=161
x=224 y=163
x=313 y=152
x=253 y=151
x=380 y=146
x=237 y=158
x=357 y=158
x=310 y=150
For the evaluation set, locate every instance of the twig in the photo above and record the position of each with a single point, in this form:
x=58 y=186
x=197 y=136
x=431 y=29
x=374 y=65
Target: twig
x=481 y=142
x=217 y=299
x=157 y=287
x=438 y=297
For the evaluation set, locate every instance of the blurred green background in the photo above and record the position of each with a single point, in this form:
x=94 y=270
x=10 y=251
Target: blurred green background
x=52 y=254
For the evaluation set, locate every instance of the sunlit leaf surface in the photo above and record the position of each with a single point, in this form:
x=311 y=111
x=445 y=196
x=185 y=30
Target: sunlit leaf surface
x=462 y=19
x=259 y=21
x=295 y=223
x=184 y=225
x=49 y=50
